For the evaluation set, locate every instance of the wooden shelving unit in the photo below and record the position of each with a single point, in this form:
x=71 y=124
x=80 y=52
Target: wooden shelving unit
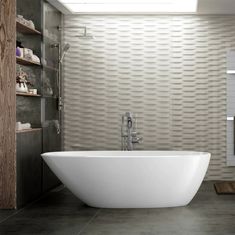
x=21 y=28
x=23 y=61
x=27 y=94
x=29 y=130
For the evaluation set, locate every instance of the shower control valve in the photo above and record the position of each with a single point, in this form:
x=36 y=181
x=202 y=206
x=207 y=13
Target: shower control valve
x=60 y=103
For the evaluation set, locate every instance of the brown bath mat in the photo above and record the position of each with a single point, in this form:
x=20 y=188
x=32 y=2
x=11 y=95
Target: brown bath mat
x=225 y=187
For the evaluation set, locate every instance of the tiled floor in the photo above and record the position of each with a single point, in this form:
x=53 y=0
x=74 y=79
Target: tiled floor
x=62 y=213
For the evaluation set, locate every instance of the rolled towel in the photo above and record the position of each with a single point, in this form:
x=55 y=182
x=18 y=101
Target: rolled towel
x=35 y=59
x=18 y=126
x=25 y=126
x=22 y=126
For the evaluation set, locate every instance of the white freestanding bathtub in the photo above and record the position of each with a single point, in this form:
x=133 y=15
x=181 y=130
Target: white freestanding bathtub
x=131 y=179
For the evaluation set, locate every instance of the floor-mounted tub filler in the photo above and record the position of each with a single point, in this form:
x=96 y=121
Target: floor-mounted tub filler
x=131 y=179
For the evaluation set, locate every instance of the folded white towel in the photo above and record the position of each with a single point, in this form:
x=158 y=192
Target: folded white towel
x=22 y=126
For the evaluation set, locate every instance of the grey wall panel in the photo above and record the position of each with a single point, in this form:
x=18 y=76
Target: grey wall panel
x=169 y=70
x=28 y=110
x=230 y=107
x=231 y=60
x=230 y=143
x=29 y=173
x=231 y=95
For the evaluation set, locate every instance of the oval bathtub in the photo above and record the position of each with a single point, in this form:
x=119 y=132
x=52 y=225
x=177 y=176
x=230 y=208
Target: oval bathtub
x=131 y=179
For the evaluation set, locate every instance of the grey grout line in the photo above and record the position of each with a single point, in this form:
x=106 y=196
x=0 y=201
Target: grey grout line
x=13 y=214
x=20 y=210
x=57 y=189
x=89 y=222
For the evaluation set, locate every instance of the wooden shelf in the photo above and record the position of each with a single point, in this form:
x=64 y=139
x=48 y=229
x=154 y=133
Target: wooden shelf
x=21 y=28
x=23 y=61
x=29 y=130
x=27 y=94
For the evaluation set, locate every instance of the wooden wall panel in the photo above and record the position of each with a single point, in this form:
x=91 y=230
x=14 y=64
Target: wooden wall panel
x=7 y=104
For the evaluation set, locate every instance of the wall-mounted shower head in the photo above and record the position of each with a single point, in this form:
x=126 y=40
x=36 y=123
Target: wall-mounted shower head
x=85 y=35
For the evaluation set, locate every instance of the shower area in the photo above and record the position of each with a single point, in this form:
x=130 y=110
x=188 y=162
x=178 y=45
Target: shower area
x=168 y=70
x=52 y=51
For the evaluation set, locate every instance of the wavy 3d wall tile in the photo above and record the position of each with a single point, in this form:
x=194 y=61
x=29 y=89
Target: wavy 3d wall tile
x=169 y=70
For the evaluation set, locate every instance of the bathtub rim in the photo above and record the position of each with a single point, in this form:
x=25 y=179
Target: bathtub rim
x=126 y=154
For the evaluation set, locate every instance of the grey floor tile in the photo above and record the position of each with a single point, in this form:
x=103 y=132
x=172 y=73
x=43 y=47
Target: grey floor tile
x=59 y=213
x=62 y=213
x=56 y=225
x=207 y=214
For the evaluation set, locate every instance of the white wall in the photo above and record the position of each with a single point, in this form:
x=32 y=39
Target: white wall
x=169 y=70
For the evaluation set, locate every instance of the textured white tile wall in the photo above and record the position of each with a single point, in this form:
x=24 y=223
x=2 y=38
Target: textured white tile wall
x=169 y=70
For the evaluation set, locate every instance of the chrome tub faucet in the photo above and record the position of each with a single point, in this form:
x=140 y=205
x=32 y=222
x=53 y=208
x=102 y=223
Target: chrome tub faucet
x=129 y=135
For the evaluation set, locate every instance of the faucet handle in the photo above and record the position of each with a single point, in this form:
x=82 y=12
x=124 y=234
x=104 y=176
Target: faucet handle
x=135 y=133
x=137 y=140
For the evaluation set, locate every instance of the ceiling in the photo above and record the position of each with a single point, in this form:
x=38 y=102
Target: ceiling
x=204 y=7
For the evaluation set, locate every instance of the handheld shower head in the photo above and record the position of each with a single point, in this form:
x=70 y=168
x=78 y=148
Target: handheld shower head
x=66 y=47
x=63 y=52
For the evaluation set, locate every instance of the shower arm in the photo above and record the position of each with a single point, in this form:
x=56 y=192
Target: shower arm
x=79 y=27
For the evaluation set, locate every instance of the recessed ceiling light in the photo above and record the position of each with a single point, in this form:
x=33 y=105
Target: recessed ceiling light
x=130 y=6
